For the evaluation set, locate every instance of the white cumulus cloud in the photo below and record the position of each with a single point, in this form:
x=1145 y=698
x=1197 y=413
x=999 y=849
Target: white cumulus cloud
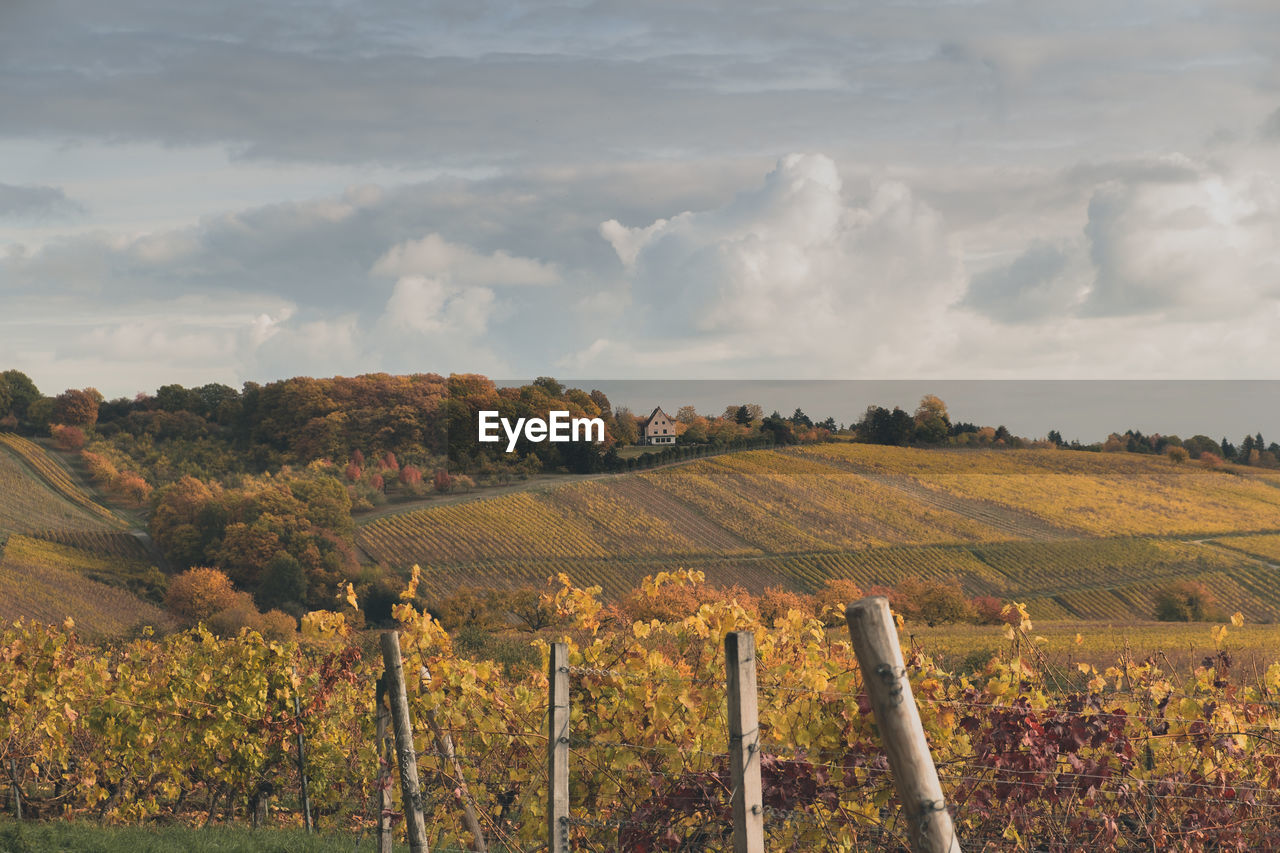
x=462 y=265
x=796 y=266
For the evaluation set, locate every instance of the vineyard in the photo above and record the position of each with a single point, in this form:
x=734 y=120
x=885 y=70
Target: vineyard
x=1113 y=494
x=104 y=543
x=748 y=503
x=1263 y=547
x=1108 y=579
x=46 y=582
x=56 y=476
x=28 y=505
x=1080 y=536
x=1033 y=753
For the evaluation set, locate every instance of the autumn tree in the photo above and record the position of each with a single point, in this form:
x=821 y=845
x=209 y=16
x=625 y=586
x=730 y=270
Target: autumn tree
x=932 y=424
x=198 y=593
x=77 y=407
x=625 y=427
x=1186 y=601
x=67 y=437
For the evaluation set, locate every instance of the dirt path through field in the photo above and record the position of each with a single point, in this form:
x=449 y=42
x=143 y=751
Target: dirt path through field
x=1012 y=521
x=1218 y=546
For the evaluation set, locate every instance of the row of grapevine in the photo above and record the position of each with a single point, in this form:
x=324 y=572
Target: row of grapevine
x=107 y=543
x=55 y=475
x=747 y=503
x=1071 y=579
x=1128 y=757
x=1104 y=494
x=27 y=504
x=1265 y=547
x=48 y=582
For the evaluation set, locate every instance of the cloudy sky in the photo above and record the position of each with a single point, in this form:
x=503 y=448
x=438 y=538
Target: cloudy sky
x=249 y=190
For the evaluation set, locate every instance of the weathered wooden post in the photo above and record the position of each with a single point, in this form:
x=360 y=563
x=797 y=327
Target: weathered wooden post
x=302 y=765
x=875 y=642
x=386 y=758
x=14 y=791
x=260 y=803
x=558 y=749
x=406 y=756
x=744 y=742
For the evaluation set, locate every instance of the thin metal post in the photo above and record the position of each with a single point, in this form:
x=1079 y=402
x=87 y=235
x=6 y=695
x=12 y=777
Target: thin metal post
x=558 y=749
x=302 y=766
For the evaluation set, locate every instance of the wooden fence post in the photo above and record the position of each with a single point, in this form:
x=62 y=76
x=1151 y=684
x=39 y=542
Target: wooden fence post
x=558 y=749
x=875 y=642
x=14 y=791
x=302 y=765
x=744 y=742
x=407 y=757
x=386 y=757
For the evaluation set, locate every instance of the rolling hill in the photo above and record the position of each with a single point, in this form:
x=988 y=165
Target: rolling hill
x=1080 y=535
x=62 y=553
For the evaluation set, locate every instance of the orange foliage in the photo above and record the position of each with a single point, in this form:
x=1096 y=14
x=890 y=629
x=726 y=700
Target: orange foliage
x=67 y=437
x=776 y=601
x=198 y=593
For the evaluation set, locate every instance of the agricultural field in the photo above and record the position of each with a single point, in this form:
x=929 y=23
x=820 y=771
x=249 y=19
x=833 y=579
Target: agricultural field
x=27 y=504
x=133 y=573
x=753 y=503
x=1076 y=535
x=55 y=476
x=44 y=582
x=1061 y=644
x=1082 y=579
x=1263 y=547
x=1114 y=494
x=105 y=543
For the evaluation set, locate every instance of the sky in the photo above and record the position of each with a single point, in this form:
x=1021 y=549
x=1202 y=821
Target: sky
x=233 y=191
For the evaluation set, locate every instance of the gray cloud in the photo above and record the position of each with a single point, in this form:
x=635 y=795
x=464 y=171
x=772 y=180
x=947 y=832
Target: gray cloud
x=1033 y=287
x=35 y=202
x=527 y=82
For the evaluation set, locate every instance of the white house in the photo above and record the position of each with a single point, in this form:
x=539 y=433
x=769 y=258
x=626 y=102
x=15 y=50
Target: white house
x=659 y=428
